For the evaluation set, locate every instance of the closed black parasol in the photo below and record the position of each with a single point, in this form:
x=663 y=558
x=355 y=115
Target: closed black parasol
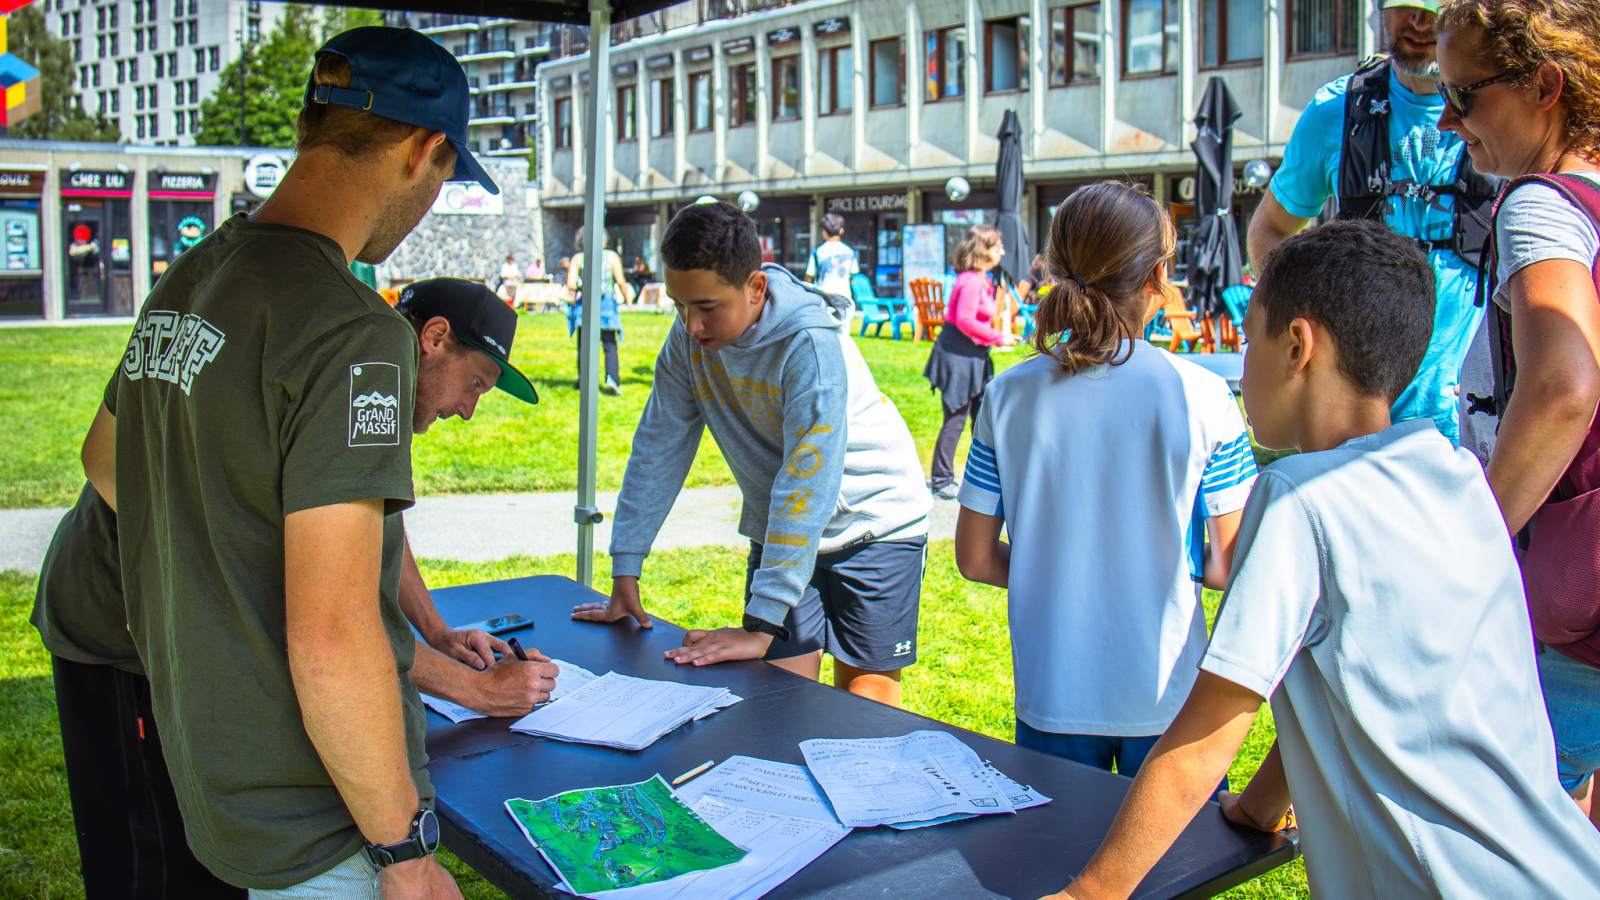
x=1008 y=190
x=1214 y=259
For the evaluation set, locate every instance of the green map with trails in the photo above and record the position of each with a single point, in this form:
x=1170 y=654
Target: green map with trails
x=604 y=838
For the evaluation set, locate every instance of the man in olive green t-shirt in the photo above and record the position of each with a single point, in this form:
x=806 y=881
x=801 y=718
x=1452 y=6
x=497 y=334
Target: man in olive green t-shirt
x=129 y=830
x=257 y=456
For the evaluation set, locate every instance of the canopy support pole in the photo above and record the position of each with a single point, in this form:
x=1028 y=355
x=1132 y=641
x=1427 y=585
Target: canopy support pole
x=595 y=172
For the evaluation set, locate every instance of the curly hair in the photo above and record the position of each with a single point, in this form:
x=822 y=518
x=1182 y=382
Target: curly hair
x=1521 y=35
x=978 y=246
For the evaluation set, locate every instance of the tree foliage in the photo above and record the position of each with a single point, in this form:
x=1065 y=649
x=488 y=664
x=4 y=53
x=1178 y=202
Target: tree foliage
x=274 y=71
x=60 y=117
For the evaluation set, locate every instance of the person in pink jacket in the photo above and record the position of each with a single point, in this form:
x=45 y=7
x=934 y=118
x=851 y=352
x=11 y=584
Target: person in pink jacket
x=959 y=365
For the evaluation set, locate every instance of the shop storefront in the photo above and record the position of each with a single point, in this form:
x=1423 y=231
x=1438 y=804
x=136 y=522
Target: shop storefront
x=97 y=232
x=181 y=205
x=22 y=277
x=980 y=207
x=1180 y=203
x=784 y=226
x=873 y=224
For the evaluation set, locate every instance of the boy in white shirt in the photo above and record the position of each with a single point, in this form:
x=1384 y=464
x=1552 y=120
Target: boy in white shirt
x=832 y=263
x=1376 y=600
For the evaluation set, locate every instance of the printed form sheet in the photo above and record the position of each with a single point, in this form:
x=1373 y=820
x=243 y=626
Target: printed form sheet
x=920 y=776
x=624 y=712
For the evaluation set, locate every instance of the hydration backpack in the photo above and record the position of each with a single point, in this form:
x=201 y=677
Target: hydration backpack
x=1365 y=185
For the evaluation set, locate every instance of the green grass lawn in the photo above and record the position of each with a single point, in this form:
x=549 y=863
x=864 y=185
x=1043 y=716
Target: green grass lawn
x=962 y=676
x=51 y=380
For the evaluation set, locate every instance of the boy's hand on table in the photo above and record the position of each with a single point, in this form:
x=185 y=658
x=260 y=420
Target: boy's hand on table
x=624 y=602
x=511 y=687
x=472 y=646
x=706 y=647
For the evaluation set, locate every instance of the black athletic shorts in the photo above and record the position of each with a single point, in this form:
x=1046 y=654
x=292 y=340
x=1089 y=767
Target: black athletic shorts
x=861 y=605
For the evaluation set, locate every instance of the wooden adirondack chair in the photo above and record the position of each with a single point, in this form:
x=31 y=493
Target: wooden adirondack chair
x=1180 y=319
x=927 y=295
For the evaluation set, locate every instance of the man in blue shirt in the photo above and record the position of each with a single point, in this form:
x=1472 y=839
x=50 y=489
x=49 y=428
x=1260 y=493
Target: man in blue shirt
x=1416 y=199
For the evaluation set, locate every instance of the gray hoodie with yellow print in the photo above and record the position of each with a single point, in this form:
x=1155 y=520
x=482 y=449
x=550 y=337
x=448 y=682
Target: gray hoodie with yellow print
x=822 y=457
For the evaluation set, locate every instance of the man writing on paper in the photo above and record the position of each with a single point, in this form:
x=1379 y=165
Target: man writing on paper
x=263 y=459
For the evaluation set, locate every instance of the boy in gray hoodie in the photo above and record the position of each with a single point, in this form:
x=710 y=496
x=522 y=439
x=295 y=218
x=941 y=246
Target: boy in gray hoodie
x=834 y=501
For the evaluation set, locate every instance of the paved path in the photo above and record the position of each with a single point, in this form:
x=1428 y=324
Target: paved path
x=489 y=526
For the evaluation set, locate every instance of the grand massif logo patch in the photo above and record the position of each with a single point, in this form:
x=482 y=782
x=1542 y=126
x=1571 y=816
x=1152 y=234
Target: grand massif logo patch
x=374 y=404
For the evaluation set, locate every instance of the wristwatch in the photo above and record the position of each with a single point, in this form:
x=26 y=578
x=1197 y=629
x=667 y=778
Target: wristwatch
x=423 y=840
x=755 y=624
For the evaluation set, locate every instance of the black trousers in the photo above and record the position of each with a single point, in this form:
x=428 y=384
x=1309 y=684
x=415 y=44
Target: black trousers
x=608 y=342
x=944 y=448
x=130 y=833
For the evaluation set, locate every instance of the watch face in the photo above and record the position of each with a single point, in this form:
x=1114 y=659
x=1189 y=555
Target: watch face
x=428 y=830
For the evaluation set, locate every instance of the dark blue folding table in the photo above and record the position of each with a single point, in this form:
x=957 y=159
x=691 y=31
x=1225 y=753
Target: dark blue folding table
x=477 y=765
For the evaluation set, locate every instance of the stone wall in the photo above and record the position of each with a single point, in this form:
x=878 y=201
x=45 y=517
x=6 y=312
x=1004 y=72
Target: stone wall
x=473 y=247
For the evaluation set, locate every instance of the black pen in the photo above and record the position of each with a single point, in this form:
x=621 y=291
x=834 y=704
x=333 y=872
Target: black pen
x=517 y=649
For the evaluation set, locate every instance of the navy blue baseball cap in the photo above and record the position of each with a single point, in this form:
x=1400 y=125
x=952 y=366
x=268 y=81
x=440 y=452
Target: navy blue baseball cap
x=401 y=74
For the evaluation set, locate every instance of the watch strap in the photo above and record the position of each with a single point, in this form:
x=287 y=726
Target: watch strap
x=422 y=841
x=754 y=624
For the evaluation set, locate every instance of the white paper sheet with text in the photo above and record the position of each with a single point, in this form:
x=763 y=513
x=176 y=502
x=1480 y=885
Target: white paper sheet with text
x=919 y=776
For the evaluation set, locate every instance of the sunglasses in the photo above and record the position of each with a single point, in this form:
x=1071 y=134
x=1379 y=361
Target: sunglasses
x=1459 y=99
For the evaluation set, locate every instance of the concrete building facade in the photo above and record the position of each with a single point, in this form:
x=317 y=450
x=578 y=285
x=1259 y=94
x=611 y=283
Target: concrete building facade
x=867 y=108
x=147 y=64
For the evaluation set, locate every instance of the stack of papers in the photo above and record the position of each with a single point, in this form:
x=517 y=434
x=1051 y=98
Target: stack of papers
x=773 y=812
x=920 y=777
x=571 y=678
x=623 y=712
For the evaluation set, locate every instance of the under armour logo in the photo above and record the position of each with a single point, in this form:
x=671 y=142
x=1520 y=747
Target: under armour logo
x=1380 y=107
x=902 y=648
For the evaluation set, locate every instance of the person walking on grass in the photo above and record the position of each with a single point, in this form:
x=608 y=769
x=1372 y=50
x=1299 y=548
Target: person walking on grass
x=834 y=505
x=255 y=448
x=1375 y=599
x=1522 y=82
x=959 y=366
x=124 y=808
x=1106 y=461
x=833 y=262
x=1370 y=141
x=612 y=283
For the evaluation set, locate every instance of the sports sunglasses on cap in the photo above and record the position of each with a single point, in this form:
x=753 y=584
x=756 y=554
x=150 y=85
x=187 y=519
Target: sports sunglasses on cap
x=1459 y=99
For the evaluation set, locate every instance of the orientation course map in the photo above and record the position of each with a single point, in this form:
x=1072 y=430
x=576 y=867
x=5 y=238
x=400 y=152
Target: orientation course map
x=604 y=838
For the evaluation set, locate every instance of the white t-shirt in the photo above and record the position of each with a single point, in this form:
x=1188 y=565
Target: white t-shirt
x=1100 y=478
x=1535 y=224
x=1376 y=600
x=831 y=266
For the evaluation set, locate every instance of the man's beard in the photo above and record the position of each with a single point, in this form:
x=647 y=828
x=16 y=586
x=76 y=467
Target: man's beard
x=1417 y=65
x=398 y=218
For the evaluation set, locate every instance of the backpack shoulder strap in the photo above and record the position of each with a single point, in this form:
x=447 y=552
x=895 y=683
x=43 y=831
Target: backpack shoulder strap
x=1364 y=151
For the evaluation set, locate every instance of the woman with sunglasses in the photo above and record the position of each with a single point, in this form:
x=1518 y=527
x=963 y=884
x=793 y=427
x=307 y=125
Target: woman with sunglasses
x=1521 y=82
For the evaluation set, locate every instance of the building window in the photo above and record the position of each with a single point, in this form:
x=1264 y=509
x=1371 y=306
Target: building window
x=563 y=123
x=112 y=22
x=140 y=121
x=138 y=12
x=255 y=30
x=628 y=113
x=138 y=97
x=194 y=121
x=741 y=95
x=194 y=8
x=77 y=23
x=213 y=59
x=114 y=49
x=194 y=91
x=151 y=14
x=138 y=40
x=133 y=69
x=177 y=123
x=1005 y=64
x=94 y=72
x=116 y=101
x=155 y=122
x=100 y=46
x=100 y=18
x=152 y=99
x=1074 y=44
x=172 y=65
x=700 y=101
x=888 y=72
x=199 y=59
x=785 y=88
x=161 y=67
x=1229 y=32
x=836 y=89
x=1152 y=42
x=661 y=107
x=83 y=76
x=77 y=51
x=177 y=34
x=946 y=52
x=194 y=30
x=1323 y=27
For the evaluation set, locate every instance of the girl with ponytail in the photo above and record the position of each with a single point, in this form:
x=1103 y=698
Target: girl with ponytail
x=1107 y=461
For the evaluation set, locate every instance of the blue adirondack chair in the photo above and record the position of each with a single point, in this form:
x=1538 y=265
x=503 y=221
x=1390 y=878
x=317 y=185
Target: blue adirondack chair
x=875 y=311
x=1237 y=299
